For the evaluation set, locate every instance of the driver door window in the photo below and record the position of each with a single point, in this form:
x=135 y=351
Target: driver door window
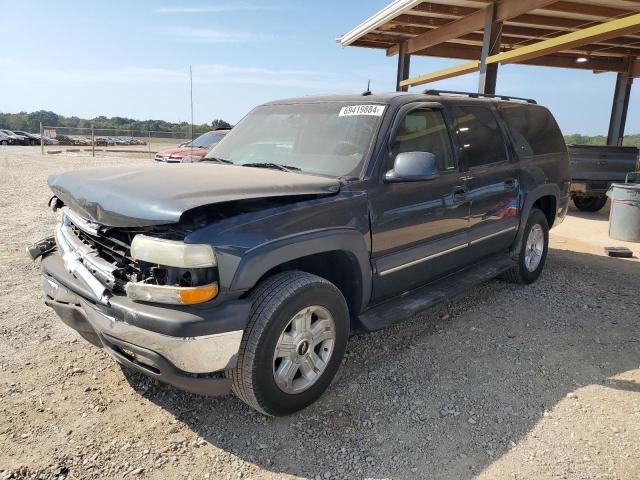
x=425 y=131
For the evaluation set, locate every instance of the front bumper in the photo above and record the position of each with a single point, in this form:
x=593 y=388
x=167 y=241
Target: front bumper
x=186 y=346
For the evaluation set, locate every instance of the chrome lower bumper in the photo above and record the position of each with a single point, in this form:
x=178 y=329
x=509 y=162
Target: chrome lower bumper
x=204 y=354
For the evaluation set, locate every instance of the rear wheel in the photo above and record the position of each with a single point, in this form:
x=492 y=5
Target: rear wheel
x=533 y=250
x=293 y=344
x=589 y=204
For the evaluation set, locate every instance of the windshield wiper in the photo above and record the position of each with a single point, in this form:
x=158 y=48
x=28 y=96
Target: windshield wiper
x=276 y=166
x=218 y=160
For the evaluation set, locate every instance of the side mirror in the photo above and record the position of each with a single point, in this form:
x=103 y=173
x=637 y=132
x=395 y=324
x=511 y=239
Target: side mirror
x=413 y=166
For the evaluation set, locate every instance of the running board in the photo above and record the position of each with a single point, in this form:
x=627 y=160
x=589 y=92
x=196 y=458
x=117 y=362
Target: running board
x=415 y=301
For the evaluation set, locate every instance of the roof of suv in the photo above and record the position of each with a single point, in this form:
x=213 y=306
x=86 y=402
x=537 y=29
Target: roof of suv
x=390 y=97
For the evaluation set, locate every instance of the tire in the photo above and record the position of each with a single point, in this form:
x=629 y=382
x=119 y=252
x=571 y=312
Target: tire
x=589 y=204
x=524 y=272
x=278 y=304
x=4 y=142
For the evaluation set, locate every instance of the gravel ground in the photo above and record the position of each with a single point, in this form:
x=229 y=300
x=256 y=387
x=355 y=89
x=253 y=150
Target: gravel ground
x=508 y=382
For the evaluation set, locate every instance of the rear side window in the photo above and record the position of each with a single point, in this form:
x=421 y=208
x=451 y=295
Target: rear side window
x=533 y=129
x=480 y=136
x=425 y=131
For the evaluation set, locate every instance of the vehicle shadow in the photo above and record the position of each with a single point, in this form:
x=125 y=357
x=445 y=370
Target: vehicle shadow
x=447 y=393
x=600 y=215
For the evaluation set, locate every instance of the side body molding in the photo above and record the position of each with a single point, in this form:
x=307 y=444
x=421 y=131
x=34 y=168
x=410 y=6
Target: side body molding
x=259 y=260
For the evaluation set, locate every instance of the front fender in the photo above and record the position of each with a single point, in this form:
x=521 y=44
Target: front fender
x=259 y=260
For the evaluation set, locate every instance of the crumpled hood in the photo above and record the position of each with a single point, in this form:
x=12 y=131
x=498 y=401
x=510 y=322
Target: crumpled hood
x=159 y=193
x=183 y=152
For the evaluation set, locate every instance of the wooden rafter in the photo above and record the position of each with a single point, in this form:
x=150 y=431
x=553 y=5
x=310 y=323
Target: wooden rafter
x=530 y=53
x=505 y=10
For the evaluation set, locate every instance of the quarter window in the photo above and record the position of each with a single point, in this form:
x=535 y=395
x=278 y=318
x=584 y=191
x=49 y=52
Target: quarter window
x=533 y=129
x=425 y=131
x=481 y=140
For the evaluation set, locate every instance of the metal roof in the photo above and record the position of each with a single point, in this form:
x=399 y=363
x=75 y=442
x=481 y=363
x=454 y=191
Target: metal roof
x=524 y=22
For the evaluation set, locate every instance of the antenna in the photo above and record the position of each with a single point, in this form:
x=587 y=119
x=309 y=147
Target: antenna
x=368 y=90
x=191 y=98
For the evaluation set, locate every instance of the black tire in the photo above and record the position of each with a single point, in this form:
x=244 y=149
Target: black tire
x=4 y=142
x=520 y=273
x=275 y=302
x=589 y=204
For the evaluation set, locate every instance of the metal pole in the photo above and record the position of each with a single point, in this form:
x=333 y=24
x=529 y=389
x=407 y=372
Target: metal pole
x=93 y=142
x=490 y=46
x=149 y=144
x=619 y=109
x=404 y=61
x=41 y=139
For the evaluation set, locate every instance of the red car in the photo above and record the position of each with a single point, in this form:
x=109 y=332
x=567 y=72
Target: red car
x=192 y=151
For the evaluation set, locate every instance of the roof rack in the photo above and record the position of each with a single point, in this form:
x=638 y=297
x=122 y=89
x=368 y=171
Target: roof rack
x=479 y=95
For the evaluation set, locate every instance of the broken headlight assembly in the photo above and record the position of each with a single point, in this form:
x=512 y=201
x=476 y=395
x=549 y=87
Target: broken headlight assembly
x=179 y=273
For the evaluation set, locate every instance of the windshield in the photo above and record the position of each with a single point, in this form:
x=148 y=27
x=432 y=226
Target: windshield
x=330 y=138
x=206 y=140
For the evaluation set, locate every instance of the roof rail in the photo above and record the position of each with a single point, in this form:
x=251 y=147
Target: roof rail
x=479 y=95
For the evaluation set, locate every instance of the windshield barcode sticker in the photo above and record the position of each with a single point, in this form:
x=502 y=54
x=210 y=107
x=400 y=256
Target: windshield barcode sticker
x=375 y=110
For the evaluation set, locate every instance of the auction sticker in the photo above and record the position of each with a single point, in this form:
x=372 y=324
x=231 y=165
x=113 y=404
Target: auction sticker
x=375 y=110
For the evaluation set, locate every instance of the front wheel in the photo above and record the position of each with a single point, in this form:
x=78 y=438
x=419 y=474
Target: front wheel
x=293 y=344
x=533 y=250
x=589 y=204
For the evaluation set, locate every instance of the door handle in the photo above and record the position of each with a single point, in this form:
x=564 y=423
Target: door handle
x=511 y=184
x=460 y=195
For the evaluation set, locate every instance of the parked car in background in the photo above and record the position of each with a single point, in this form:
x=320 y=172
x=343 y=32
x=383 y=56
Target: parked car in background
x=594 y=168
x=191 y=151
x=47 y=140
x=32 y=138
x=15 y=138
x=64 y=139
x=5 y=139
x=315 y=217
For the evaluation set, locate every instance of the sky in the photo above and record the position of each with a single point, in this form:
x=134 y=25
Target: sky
x=131 y=59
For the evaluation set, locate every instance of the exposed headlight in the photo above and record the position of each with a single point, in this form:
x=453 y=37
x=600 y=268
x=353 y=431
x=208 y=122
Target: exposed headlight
x=147 y=292
x=172 y=253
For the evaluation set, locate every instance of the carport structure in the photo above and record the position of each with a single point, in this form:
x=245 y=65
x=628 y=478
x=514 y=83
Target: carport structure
x=596 y=35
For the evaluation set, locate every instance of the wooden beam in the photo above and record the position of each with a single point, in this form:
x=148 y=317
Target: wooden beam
x=590 y=9
x=537 y=50
x=470 y=23
x=602 y=31
x=469 y=67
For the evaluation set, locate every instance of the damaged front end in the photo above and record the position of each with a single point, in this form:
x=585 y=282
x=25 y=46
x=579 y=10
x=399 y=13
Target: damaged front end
x=150 y=264
x=143 y=295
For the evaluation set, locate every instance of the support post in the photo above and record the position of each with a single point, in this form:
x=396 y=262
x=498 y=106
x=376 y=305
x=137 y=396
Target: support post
x=149 y=144
x=41 y=139
x=404 y=60
x=490 y=46
x=619 y=109
x=93 y=142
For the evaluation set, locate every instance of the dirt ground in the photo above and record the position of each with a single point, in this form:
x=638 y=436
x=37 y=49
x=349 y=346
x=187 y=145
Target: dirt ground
x=536 y=382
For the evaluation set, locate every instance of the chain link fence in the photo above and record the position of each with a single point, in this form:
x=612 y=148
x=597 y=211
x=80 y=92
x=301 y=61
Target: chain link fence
x=109 y=141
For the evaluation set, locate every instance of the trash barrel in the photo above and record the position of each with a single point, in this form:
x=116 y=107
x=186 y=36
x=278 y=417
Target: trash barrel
x=624 y=218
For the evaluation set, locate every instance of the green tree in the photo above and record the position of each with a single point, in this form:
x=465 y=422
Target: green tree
x=219 y=123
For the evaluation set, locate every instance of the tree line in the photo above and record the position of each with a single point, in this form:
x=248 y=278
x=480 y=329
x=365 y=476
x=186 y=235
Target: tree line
x=576 y=138
x=30 y=122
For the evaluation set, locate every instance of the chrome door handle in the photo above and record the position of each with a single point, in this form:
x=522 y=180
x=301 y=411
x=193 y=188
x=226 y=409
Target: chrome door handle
x=511 y=184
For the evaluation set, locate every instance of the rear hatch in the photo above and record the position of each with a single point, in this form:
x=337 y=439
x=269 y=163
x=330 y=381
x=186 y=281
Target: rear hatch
x=602 y=163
